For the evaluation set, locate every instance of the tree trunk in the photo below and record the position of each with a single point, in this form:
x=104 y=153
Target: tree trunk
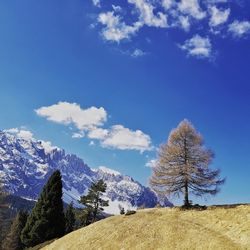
x=95 y=209
x=186 y=200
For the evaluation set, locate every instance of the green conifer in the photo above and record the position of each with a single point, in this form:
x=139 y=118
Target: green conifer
x=69 y=219
x=93 y=202
x=46 y=220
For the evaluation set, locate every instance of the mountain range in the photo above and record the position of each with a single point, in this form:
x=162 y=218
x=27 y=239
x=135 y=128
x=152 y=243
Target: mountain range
x=27 y=163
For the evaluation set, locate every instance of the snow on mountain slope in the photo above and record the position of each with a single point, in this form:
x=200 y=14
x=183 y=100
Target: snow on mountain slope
x=26 y=164
x=108 y=171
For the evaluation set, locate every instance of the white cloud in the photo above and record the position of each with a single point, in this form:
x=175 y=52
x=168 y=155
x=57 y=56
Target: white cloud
x=167 y=4
x=138 y=53
x=239 y=28
x=123 y=138
x=92 y=143
x=192 y=8
x=97 y=3
x=48 y=147
x=21 y=133
x=90 y=121
x=119 y=137
x=25 y=134
x=151 y=163
x=115 y=29
x=116 y=8
x=98 y=133
x=147 y=16
x=216 y=1
x=78 y=135
x=218 y=16
x=184 y=22
x=11 y=130
x=198 y=46
x=205 y=16
x=71 y=113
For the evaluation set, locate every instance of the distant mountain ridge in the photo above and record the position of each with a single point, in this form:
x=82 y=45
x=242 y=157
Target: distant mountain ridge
x=26 y=164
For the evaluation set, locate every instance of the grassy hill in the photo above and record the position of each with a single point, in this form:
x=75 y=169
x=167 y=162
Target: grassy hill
x=162 y=228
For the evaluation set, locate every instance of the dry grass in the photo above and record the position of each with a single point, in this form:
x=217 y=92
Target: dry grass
x=161 y=228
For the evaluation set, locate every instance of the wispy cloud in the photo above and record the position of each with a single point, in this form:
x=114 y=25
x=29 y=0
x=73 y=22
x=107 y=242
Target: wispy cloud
x=192 y=8
x=239 y=28
x=147 y=16
x=151 y=163
x=138 y=53
x=184 y=22
x=78 y=135
x=198 y=46
x=218 y=16
x=115 y=29
x=116 y=8
x=205 y=18
x=97 y=3
x=167 y=4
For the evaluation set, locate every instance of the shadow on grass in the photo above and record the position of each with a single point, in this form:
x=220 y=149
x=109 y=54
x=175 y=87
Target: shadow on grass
x=40 y=246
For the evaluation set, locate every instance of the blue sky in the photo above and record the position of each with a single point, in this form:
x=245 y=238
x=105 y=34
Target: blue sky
x=141 y=71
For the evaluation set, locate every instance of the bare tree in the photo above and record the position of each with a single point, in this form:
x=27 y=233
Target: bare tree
x=182 y=165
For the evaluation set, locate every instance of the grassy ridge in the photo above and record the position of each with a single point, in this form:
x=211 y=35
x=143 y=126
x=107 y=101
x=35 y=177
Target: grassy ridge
x=215 y=228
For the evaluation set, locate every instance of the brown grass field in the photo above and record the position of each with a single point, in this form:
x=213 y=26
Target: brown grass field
x=164 y=228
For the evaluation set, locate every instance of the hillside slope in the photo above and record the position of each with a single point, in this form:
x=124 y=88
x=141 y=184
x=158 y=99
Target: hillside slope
x=164 y=228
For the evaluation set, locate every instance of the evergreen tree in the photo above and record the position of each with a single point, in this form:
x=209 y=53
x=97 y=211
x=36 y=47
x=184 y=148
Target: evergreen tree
x=69 y=219
x=86 y=217
x=46 y=220
x=93 y=202
x=122 y=211
x=121 y=208
x=183 y=165
x=13 y=240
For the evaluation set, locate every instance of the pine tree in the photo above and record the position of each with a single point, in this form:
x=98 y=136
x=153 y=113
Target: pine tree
x=183 y=165
x=69 y=219
x=122 y=211
x=13 y=240
x=46 y=220
x=121 y=208
x=93 y=202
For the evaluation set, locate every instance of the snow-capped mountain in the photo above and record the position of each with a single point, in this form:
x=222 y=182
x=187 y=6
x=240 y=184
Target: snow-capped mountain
x=26 y=164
